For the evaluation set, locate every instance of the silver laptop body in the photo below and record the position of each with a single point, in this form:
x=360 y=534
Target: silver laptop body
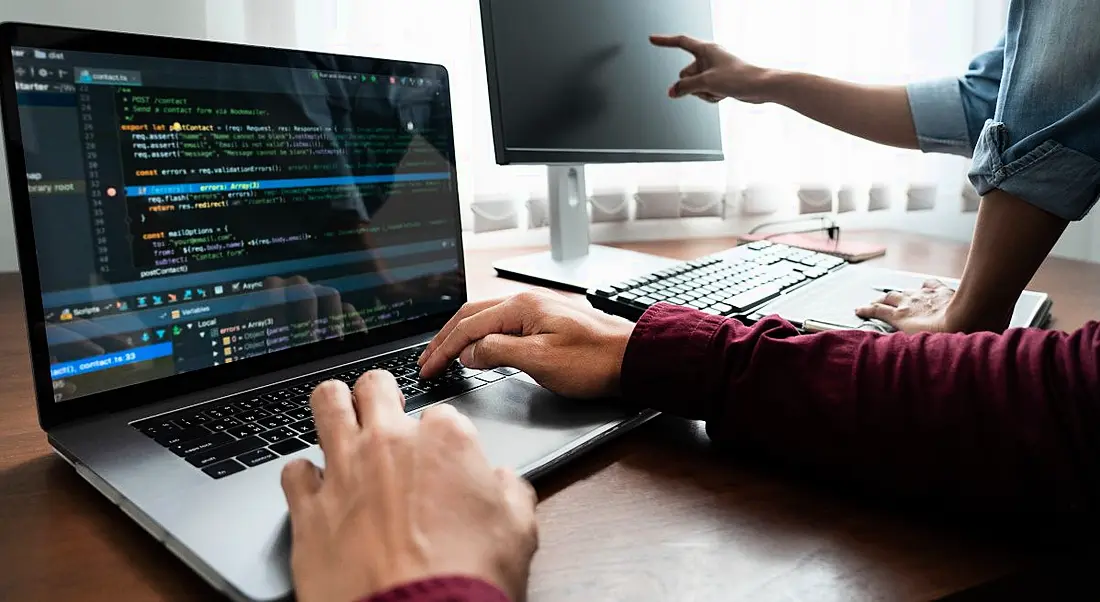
x=205 y=231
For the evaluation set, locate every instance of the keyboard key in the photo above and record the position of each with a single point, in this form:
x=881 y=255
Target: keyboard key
x=223 y=469
x=721 y=308
x=280 y=434
x=678 y=301
x=281 y=406
x=310 y=438
x=201 y=444
x=289 y=446
x=300 y=413
x=219 y=412
x=252 y=415
x=223 y=424
x=304 y=426
x=507 y=371
x=190 y=421
x=276 y=421
x=255 y=458
x=225 y=452
x=489 y=377
x=245 y=430
x=699 y=304
x=276 y=396
x=168 y=439
x=468 y=373
x=604 y=291
x=249 y=404
x=752 y=298
x=645 y=301
x=156 y=426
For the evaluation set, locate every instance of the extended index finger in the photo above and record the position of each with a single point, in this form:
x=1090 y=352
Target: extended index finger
x=688 y=43
x=466 y=311
x=502 y=318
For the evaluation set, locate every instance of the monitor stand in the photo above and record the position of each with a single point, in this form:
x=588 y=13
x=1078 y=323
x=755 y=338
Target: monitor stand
x=572 y=263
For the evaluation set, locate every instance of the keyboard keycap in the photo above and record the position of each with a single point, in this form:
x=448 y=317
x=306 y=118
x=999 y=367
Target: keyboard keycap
x=507 y=371
x=721 y=308
x=245 y=430
x=252 y=415
x=190 y=421
x=201 y=444
x=156 y=427
x=304 y=426
x=255 y=458
x=300 y=413
x=281 y=406
x=223 y=469
x=289 y=446
x=752 y=298
x=272 y=422
x=223 y=424
x=645 y=301
x=177 y=437
x=249 y=404
x=280 y=434
x=225 y=452
x=310 y=438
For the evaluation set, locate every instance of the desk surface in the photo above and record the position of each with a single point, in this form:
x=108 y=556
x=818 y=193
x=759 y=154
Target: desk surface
x=655 y=515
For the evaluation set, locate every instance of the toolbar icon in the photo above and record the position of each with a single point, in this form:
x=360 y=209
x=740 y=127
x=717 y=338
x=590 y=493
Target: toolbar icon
x=158 y=300
x=175 y=314
x=66 y=315
x=187 y=295
x=176 y=330
x=160 y=334
x=201 y=292
x=145 y=337
x=172 y=298
x=219 y=290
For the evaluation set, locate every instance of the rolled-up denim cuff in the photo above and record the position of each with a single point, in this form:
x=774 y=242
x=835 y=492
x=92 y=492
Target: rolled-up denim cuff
x=939 y=116
x=1052 y=177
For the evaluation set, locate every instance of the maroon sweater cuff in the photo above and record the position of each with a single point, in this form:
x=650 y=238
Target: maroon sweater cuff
x=669 y=348
x=442 y=589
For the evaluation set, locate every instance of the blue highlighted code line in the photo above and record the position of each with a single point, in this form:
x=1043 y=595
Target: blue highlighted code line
x=207 y=187
x=110 y=360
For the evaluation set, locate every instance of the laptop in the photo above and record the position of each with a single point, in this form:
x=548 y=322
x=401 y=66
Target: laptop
x=206 y=231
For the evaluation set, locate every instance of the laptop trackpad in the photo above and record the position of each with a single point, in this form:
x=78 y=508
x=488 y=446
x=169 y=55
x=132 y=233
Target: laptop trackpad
x=521 y=424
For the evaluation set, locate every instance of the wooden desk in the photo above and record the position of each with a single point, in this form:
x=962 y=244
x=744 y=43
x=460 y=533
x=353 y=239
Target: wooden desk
x=656 y=515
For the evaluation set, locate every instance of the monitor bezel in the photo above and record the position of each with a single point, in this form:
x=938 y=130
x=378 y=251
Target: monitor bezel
x=52 y=414
x=507 y=156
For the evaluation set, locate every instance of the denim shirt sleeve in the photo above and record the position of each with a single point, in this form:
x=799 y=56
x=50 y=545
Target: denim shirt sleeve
x=949 y=113
x=1043 y=142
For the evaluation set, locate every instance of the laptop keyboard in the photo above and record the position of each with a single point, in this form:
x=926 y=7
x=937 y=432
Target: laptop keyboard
x=225 y=437
x=730 y=283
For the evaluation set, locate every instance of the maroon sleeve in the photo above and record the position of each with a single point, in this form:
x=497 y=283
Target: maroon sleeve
x=1007 y=422
x=442 y=589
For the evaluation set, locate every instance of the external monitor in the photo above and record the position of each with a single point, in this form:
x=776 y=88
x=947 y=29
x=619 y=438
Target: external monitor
x=575 y=82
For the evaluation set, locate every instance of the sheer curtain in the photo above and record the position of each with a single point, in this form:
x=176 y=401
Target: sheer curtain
x=779 y=165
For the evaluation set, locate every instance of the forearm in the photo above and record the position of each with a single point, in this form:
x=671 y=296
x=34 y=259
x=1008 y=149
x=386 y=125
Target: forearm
x=1012 y=238
x=877 y=113
x=979 y=422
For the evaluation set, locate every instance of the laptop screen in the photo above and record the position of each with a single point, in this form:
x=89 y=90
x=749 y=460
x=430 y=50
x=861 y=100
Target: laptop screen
x=191 y=214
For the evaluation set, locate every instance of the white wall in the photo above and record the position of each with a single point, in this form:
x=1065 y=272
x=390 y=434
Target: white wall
x=185 y=18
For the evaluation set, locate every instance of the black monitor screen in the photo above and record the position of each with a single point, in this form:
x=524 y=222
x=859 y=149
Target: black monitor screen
x=190 y=214
x=578 y=81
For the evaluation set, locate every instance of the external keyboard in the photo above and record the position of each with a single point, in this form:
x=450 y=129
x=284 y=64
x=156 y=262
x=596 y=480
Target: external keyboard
x=733 y=282
x=227 y=436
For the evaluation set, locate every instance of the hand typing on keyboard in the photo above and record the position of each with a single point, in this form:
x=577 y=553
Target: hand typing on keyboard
x=566 y=346
x=402 y=500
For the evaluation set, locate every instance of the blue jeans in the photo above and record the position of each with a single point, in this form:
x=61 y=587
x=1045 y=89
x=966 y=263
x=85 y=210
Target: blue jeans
x=1027 y=111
